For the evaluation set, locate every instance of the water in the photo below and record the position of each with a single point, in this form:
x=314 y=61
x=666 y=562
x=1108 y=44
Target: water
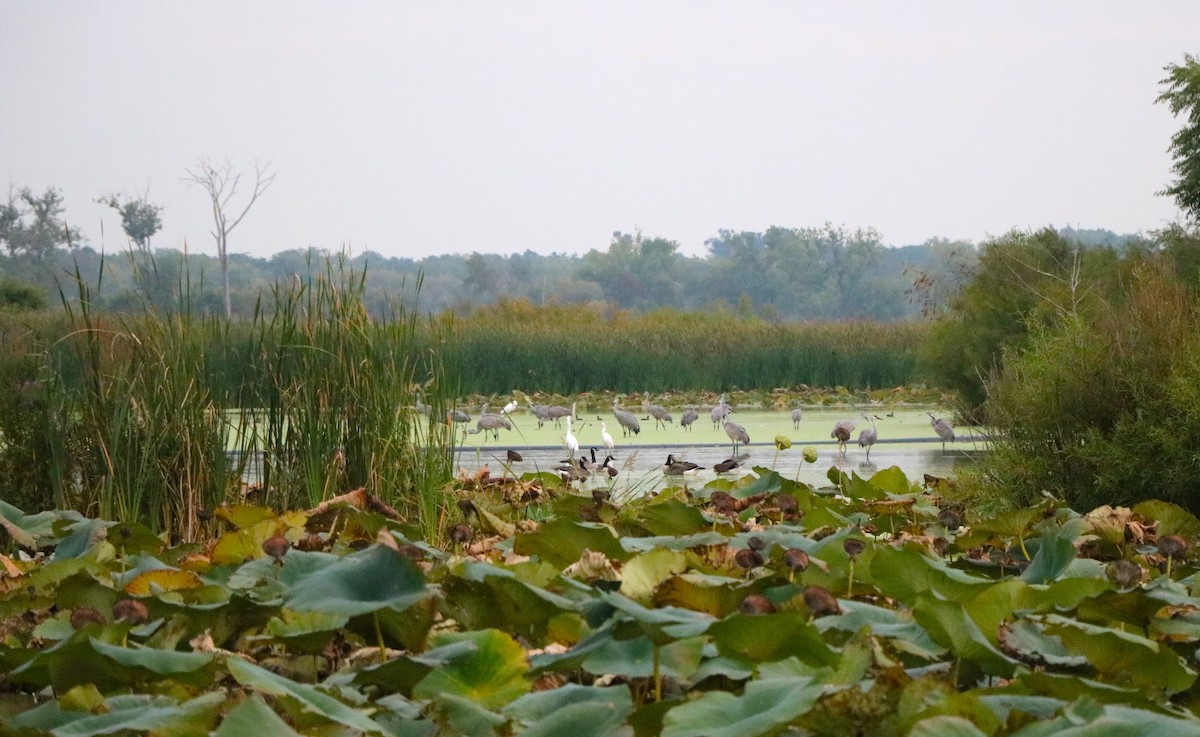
x=906 y=440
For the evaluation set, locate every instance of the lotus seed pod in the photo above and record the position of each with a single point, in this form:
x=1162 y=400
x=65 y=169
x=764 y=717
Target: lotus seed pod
x=84 y=616
x=820 y=602
x=1124 y=573
x=1172 y=546
x=132 y=611
x=809 y=454
x=747 y=558
x=756 y=604
x=950 y=519
x=854 y=547
x=276 y=547
x=795 y=559
x=756 y=543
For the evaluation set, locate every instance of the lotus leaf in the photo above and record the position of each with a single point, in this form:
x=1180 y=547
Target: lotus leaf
x=490 y=672
x=764 y=707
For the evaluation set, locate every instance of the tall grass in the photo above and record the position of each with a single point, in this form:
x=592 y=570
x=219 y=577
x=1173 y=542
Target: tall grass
x=156 y=415
x=569 y=349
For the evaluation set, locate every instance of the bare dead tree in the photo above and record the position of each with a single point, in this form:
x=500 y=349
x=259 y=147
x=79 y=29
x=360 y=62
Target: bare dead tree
x=220 y=182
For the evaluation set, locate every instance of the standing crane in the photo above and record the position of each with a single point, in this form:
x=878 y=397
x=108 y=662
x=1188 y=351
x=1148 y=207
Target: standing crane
x=557 y=412
x=491 y=423
x=690 y=415
x=869 y=435
x=720 y=412
x=737 y=434
x=943 y=428
x=797 y=415
x=657 y=411
x=628 y=423
x=841 y=433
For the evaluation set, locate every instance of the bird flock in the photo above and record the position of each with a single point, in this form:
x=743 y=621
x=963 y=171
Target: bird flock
x=582 y=461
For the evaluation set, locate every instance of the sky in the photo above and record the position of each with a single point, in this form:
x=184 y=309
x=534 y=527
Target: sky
x=425 y=128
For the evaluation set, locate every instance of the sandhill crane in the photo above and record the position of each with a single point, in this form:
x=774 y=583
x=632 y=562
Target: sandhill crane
x=557 y=412
x=797 y=415
x=541 y=412
x=841 y=433
x=605 y=437
x=690 y=415
x=628 y=423
x=678 y=467
x=570 y=442
x=737 y=434
x=869 y=435
x=657 y=411
x=720 y=412
x=457 y=415
x=943 y=428
x=492 y=423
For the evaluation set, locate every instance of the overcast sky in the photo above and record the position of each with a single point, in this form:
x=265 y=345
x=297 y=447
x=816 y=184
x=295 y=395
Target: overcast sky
x=420 y=128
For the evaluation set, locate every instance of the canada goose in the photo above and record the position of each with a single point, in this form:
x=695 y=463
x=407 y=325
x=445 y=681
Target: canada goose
x=678 y=467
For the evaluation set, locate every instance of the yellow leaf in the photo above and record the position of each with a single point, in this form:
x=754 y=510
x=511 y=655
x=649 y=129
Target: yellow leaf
x=163 y=579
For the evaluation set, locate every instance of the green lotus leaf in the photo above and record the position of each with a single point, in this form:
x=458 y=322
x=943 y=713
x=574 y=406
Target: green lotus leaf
x=1029 y=641
x=1123 y=657
x=573 y=710
x=767 y=637
x=359 y=583
x=1055 y=553
x=634 y=658
x=312 y=699
x=307 y=632
x=684 y=542
x=491 y=672
x=953 y=628
x=764 y=707
x=643 y=573
x=463 y=716
x=253 y=716
x=945 y=726
x=560 y=542
x=481 y=595
x=194 y=668
x=132 y=713
x=897 y=626
x=710 y=594
x=904 y=573
x=662 y=624
x=1172 y=519
x=670 y=518
x=1112 y=721
x=764 y=481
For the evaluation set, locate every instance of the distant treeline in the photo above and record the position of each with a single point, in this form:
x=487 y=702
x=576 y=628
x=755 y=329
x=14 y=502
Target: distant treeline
x=778 y=275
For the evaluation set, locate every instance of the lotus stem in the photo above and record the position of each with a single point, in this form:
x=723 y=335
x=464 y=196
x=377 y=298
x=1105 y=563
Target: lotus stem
x=657 y=677
x=378 y=634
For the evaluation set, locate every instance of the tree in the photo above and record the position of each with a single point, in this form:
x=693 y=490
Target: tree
x=1182 y=95
x=46 y=229
x=220 y=182
x=139 y=218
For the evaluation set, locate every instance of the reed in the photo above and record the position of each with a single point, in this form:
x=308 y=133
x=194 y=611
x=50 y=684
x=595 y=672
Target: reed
x=569 y=349
x=156 y=415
